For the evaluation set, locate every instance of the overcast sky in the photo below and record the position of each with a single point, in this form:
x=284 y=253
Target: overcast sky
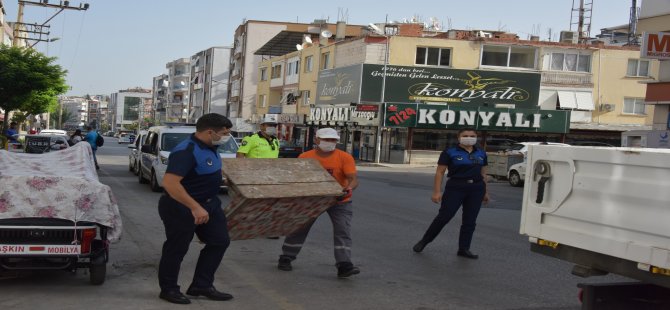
x=118 y=44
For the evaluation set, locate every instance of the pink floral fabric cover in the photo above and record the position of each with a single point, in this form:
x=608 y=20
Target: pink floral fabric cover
x=61 y=184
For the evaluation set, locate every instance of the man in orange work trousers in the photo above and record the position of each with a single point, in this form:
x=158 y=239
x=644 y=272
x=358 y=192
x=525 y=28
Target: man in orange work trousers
x=343 y=168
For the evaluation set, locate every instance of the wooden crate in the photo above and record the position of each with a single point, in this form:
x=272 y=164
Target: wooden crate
x=275 y=197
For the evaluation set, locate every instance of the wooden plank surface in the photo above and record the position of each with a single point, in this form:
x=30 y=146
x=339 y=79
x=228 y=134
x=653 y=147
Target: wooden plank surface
x=261 y=171
x=328 y=189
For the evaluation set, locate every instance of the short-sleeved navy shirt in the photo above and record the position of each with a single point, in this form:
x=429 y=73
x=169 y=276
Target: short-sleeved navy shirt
x=463 y=165
x=200 y=166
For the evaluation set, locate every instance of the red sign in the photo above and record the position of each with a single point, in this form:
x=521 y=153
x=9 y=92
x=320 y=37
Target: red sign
x=367 y=108
x=655 y=45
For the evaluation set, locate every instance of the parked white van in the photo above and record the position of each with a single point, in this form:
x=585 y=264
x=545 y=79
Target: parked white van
x=156 y=148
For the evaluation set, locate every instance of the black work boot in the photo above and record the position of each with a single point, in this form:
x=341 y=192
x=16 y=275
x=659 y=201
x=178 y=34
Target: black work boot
x=284 y=263
x=346 y=269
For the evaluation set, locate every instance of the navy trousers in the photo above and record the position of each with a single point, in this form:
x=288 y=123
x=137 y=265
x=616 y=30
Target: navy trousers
x=179 y=231
x=457 y=193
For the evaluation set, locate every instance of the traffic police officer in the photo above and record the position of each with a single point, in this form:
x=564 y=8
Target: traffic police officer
x=466 y=186
x=263 y=144
x=191 y=206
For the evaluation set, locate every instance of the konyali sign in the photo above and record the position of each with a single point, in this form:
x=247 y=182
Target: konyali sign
x=339 y=86
x=481 y=118
x=453 y=86
x=344 y=114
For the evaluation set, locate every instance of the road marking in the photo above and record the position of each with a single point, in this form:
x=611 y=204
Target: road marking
x=271 y=294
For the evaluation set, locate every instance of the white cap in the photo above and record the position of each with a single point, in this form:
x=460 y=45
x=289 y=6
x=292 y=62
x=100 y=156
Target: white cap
x=269 y=119
x=327 y=133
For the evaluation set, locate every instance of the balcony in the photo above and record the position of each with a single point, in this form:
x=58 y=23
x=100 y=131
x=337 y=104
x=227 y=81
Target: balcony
x=582 y=79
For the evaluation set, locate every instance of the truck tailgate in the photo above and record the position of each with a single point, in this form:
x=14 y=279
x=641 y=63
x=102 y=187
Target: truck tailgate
x=613 y=201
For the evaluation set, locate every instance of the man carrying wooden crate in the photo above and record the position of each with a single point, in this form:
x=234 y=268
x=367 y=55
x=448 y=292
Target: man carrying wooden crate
x=343 y=168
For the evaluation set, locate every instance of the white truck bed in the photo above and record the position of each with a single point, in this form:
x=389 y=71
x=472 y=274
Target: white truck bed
x=614 y=202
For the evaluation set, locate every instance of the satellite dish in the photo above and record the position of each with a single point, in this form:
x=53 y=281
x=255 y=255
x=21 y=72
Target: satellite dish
x=298 y=47
x=308 y=39
x=375 y=28
x=182 y=83
x=326 y=34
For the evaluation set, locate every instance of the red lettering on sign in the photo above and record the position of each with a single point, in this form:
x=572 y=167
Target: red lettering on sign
x=654 y=44
x=402 y=116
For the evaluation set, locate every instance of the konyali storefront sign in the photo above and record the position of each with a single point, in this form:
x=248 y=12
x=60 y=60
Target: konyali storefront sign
x=481 y=118
x=363 y=115
x=453 y=86
x=339 y=86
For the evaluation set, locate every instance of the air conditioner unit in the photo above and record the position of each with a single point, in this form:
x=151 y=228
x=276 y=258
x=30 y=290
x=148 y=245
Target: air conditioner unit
x=607 y=107
x=569 y=37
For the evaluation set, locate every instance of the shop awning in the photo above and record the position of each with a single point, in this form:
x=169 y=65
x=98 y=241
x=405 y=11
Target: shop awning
x=584 y=100
x=567 y=100
x=658 y=93
x=578 y=100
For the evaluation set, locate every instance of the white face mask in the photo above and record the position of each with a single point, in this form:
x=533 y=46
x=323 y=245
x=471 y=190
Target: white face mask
x=221 y=140
x=327 y=146
x=271 y=131
x=468 y=141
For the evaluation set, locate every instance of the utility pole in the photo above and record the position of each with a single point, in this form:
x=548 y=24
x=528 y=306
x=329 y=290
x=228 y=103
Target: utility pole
x=19 y=26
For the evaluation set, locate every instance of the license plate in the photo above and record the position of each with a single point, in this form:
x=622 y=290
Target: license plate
x=39 y=249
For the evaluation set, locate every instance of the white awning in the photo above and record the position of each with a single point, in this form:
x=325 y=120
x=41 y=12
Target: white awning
x=566 y=100
x=584 y=100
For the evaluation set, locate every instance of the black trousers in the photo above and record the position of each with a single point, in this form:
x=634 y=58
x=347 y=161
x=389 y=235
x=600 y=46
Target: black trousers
x=455 y=195
x=179 y=231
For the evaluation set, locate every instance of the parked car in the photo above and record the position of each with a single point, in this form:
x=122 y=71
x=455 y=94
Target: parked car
x=497 y=145
x=132 y=137
x=517 y=172
x=289 y=150
x=53 y=132
x=124 y=138
x=156 y=148
x=134 y=156
x=38 y=144
x=522 y=147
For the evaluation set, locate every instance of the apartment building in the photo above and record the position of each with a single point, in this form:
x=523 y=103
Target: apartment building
x=594 y=92
x=128 y=106
x=209 y=82
x=655 y=21
x=6 y=33
x=254 y=42
x=160 y=88
x=179 y=74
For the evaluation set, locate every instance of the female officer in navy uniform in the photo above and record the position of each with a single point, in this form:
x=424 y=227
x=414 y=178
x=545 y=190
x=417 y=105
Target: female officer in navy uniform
x=466 y=186
x=191 y=206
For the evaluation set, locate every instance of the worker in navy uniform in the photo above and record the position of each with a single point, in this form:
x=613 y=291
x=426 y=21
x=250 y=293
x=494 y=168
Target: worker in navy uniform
x=466 y=186
x=191 y=206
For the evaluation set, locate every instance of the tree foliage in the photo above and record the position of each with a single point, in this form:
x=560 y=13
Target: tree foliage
x=29 y=81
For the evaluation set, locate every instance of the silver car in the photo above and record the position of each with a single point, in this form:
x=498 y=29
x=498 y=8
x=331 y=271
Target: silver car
x=134 y=156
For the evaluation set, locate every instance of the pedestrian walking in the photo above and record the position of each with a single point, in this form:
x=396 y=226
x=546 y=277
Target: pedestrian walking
x=191 y=206
x=75 y=137
x=343 y=168
x=466 y=186
x=92 y=138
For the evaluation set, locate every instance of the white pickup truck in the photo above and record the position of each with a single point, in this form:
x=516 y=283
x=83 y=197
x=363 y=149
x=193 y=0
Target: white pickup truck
x=607 y=210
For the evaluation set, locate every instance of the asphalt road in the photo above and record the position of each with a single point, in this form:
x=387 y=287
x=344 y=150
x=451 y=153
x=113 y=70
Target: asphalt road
x=392 y=208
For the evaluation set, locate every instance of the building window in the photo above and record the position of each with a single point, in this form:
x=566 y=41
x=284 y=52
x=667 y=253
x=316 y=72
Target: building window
x=293 y=68
x=433 y=56
x=264 y=74
x=638 y=67
x=509 y=56
x=570 y=62
x=305 y=97
x=276 y=71
x=634 y=106
x=308 y=64
x=261 y=101
x=325 y=61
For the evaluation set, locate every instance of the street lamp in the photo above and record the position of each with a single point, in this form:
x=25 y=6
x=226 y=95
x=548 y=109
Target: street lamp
x=378 y=144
